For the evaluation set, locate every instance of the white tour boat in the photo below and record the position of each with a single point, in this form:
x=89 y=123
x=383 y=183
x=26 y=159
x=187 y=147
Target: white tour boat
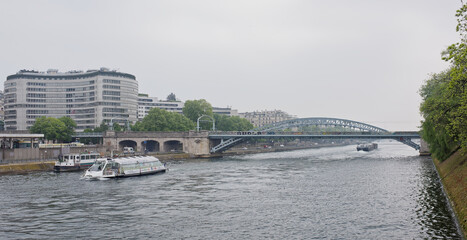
x=124 y=167
x=75 y=161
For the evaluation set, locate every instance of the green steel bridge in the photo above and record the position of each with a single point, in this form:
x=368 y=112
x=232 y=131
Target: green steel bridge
x=353 y=130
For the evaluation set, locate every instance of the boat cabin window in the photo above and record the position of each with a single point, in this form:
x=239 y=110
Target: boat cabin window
x=158 y=164
x=112 y=165
x=98 y=166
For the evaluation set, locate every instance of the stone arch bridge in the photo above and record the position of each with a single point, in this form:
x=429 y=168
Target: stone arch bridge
x=192 y=142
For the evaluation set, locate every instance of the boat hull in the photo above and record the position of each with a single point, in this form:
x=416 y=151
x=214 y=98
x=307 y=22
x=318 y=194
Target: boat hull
x=137 y=174
x=367 y=147
x=72 y=168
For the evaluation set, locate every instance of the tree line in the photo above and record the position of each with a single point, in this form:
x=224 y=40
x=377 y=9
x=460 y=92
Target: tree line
x=158 y=120
x=444 y=99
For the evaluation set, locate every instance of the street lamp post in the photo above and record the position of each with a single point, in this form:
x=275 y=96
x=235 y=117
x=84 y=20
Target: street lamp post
x=111 y=127
x=213 y=122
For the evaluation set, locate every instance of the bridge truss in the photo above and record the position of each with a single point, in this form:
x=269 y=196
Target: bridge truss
x=355 y=130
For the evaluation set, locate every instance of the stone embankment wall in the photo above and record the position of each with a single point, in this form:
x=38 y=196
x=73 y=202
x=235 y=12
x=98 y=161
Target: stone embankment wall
x=19 y=155
x=26 y=167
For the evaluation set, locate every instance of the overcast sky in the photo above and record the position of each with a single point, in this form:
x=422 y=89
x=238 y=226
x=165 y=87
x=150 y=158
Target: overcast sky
x=363 y=60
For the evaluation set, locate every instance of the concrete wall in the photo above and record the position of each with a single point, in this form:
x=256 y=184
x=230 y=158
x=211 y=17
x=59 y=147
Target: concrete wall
x=424 y=148
x=39 y=154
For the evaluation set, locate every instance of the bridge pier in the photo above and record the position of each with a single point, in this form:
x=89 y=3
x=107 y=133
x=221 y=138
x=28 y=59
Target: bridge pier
x=424 y=148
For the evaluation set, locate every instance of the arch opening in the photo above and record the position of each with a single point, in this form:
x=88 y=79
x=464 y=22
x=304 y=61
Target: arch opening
x=173 y=146
x=127 y=143
x=150 y=146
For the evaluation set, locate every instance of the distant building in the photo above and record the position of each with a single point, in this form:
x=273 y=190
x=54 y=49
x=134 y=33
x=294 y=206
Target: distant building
x=2 y=113
x=146 y=103
x=89 y=98
x=225 y=111
x=262 y=118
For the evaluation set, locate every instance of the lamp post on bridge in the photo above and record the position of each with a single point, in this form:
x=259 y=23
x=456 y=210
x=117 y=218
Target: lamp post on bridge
x=111 y=127
x=213 y=122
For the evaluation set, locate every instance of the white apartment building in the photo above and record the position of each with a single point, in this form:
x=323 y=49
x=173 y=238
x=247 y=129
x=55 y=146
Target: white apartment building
x=89 y=98
x=2 y=113
x=262 y=118
x=146 y=103
x=225 y=111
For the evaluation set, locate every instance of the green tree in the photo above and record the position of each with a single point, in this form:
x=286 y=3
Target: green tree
x=234 y=123
x=116 y=127
x=52 y=128
x=160 y=120
x=435 y=108
x=455 y=94
x=70 y=126
x=194 y=109
x=102 y=128
x=171 y=97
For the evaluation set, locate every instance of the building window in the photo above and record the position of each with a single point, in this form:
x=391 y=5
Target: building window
x=111 y=93
x=112 y=81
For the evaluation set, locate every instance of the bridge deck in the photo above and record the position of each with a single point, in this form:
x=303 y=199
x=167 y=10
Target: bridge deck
x=348 y=136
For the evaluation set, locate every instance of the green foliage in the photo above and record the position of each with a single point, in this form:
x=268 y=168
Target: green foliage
x=441 y=144
x=116 y=127
x=444 y=105
x=435 y=109
x=447 y=110
x=194 y=109
x=171 y=97
x=70 y=126
x=102 y=128
x=234 y=123
x=54 y=129
x=160 y=120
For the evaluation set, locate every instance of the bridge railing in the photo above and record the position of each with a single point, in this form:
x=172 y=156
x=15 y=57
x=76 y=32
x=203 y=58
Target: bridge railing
x=88 y=134
x=266 y=133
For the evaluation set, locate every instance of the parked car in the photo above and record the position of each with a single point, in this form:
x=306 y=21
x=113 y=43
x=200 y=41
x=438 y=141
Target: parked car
x=128 y=150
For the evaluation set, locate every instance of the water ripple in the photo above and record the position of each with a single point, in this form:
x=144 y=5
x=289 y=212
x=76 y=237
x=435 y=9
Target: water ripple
x=329 y=193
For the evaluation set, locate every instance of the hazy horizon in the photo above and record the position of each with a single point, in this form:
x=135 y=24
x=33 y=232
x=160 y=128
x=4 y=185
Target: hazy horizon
x=360 y=60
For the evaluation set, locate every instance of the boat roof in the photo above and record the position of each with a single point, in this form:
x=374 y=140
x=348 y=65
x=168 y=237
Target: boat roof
x=83 y=153
x=132 y=160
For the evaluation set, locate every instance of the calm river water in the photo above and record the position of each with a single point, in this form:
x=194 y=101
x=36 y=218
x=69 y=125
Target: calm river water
x=329 y=193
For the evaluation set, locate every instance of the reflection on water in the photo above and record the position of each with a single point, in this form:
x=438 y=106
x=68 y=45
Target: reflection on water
x=329 y=193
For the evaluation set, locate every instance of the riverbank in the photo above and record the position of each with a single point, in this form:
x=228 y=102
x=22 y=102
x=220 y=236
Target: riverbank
x=255 y=150
x=453 y=174
x=26 y=167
